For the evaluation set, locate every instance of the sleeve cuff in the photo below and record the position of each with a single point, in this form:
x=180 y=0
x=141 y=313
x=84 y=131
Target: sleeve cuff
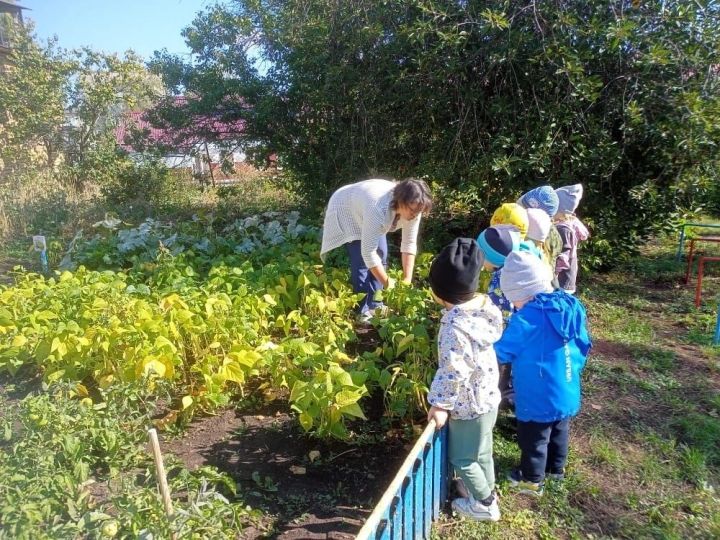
x=372 y=259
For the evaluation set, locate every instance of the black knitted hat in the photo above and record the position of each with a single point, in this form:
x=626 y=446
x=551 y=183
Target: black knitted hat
x=455 y=272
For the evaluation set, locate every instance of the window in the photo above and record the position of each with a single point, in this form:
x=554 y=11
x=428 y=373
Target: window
x=6 y=24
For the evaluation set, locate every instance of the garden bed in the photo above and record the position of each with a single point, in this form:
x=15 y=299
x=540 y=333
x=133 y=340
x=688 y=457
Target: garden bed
x=277 y=471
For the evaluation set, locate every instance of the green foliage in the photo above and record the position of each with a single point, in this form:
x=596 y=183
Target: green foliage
x=408 y=349
x=57 y=446
x=488 y=99
x=147 y=184
x=32 y=101
x=53 y=445
x=59 y=110
x=209 y=307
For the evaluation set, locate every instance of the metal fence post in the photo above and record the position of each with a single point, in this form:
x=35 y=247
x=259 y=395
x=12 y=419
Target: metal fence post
x=680 y=243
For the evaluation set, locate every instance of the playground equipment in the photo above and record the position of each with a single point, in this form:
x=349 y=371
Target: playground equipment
x=701 y=265
x=681 y=243
x=688 y=271
x=701 y=271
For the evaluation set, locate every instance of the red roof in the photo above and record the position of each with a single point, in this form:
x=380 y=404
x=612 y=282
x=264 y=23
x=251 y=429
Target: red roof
x=204 y=129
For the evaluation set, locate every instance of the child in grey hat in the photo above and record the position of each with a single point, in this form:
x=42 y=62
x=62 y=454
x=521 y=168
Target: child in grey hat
x=546 y=342
x=465 y=387
x=572 y=231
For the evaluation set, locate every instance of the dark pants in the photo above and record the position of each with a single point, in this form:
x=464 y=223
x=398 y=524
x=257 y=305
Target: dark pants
x=362 y=279
x=543 y=448
x=505 y=384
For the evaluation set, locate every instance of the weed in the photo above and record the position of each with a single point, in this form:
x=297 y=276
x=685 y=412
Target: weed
x=616 y=323
x=693 y=465
x=655 y=359
x=702 y=433
x=265 y=483
x=604 y=452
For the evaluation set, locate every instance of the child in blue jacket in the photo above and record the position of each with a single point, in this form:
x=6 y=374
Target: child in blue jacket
x=547 y=342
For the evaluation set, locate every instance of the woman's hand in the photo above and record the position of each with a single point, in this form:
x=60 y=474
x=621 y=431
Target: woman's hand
x=439 y=415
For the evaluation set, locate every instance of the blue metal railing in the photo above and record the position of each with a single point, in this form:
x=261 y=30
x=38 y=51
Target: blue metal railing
x=412 y=501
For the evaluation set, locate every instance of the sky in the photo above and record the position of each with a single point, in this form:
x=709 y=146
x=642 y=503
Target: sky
x=115 y=25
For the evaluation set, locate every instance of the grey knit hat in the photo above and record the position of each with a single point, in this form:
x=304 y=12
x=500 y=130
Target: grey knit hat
x=539 y=224
x=569 y=198
x=524 y=276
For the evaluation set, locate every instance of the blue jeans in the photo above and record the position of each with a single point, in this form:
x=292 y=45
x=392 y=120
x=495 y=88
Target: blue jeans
x=362 y=279
x=543 y=448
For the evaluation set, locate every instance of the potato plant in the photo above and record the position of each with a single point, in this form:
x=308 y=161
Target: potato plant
x=209 y=312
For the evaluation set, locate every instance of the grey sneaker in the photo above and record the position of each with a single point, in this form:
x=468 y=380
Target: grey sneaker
x=474 y=509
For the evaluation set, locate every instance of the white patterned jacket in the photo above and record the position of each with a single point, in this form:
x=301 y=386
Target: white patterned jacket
x=466 y=382
x=361 y=211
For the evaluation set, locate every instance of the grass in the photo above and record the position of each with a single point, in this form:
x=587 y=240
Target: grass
x=645 y=450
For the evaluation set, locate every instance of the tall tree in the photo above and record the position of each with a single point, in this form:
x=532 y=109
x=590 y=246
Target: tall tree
x=487 y=98
x=59 y=108
x=33 y=92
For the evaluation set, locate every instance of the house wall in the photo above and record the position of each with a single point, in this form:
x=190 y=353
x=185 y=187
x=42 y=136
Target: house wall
x=9 y=16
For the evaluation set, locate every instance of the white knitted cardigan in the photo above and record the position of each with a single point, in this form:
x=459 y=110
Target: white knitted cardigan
x=361 y=211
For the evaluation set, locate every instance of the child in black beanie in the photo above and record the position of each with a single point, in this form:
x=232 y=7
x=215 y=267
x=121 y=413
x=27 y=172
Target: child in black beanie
x=465 y=386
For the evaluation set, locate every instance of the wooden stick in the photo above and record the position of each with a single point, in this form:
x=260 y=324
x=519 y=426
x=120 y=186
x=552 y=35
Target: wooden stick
x=160 y=468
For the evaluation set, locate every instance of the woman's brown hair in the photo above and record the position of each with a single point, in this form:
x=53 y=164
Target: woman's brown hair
x=413 y=193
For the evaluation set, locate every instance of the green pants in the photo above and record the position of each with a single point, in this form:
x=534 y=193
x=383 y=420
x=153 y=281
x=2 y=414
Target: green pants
x=470 y=452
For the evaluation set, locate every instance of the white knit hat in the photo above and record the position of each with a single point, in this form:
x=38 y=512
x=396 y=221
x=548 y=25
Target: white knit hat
x=539 y=224
x=569 y=198
x=524 y=276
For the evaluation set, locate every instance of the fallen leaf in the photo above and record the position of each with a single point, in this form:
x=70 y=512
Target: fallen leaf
x=297 y=470
x=596 y=407
x=313 y=455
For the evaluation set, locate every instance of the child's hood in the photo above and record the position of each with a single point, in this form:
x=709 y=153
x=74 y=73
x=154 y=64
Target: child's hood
x=474 y=317
x=563 y=311
x=581 y=231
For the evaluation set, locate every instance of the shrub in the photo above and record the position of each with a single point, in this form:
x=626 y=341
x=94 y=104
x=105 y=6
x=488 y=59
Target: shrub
x=149 y=185
x=488 y=99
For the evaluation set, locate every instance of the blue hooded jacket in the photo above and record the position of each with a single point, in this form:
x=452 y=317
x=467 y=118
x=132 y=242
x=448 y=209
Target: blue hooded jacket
x=547 y=343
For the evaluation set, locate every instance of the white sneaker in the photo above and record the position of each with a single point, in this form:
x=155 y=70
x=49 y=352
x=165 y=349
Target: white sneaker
x=474 y=509
x=364 y=318
x=368 y=315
